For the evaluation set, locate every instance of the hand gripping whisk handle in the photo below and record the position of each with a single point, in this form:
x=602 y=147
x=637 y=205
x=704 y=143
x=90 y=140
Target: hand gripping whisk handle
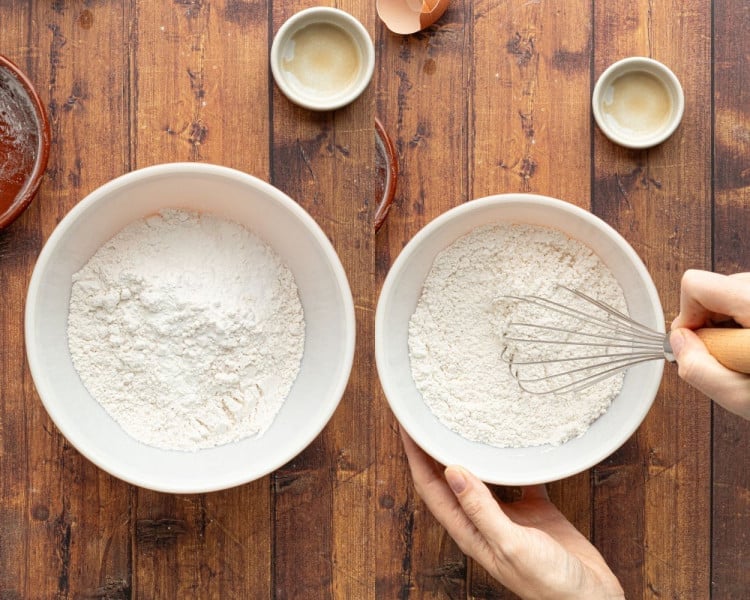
x=731 y=347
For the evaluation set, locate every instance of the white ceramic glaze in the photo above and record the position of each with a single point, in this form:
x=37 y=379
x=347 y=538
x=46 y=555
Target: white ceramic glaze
x=270 y=214
x=637 y=138
x=398 y=299
x=329 y=16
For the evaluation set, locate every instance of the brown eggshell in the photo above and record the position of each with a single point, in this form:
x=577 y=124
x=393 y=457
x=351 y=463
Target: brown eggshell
x=409 y=16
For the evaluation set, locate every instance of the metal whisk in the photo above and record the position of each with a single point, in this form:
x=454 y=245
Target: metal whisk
x=596 y=342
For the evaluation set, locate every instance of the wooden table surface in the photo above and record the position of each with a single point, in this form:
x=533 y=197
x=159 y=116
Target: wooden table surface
x=493 y=98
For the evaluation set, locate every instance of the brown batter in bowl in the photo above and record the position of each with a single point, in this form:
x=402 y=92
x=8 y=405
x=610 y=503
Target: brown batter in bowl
x=24 y=142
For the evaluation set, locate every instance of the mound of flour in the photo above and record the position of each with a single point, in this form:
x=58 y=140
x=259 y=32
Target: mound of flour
x=456 y=334
x=188 y=329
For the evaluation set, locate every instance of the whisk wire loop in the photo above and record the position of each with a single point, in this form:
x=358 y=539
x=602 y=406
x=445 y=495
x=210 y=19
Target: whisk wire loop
x=632 y=340
x=582 y=383
x=613 y=330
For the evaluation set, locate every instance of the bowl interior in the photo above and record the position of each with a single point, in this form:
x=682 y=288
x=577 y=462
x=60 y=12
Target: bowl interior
x=324 y=293
x=323 y=20
x=398 y=300
x=24 y=141
x=638 y=138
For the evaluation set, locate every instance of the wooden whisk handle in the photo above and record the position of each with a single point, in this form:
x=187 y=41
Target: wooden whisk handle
x=731 y=347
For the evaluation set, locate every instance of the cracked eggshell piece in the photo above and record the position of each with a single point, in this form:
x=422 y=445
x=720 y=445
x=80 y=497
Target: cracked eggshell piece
x=409 y=16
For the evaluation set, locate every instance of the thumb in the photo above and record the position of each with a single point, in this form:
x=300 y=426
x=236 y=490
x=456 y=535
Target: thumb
x=478 y=504
x=701 y=370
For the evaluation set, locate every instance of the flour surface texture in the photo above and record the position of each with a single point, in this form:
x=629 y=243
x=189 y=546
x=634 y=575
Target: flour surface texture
x=456 y=334
x=188 y=329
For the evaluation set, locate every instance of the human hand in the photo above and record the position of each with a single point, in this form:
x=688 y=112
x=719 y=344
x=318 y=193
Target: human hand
x=528 y=545
x=708 y=299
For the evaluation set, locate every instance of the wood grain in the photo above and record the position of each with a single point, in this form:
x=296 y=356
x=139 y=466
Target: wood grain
x=731 y=176
x=422 y=102
x=493 y=98
x=196 y=67
x=18 y=243
x=55 y=497
x=326 y=163
x=531 y=65
x=661 y=478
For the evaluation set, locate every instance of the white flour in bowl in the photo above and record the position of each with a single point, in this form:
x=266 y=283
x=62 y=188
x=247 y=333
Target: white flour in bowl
x=456 y=334
x=188 y=329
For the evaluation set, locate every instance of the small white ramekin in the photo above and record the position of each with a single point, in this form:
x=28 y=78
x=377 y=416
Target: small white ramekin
x=633 y=138
x=337 y=18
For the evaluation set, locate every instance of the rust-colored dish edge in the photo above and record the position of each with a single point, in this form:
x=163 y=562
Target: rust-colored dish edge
x=391 y=173
x=30 y=188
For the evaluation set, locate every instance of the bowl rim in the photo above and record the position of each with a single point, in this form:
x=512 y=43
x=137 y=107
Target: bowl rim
x=90 y=451
x=34 y=180
x=655 y=68
x=343 y=20
x=432 y=446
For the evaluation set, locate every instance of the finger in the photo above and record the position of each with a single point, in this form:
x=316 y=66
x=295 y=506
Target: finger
x=479 y=506
x=432 y=487
x=424 y=469
x=703 y=294
x=549 y=559
x=705 y=373
x=429 y=483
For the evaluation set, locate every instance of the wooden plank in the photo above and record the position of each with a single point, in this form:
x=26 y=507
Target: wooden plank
x=302 y=490
x=422 y=87
x=201 y=83
x=323 y=499
x=210 y=545
x=659 y=200
x=19 y=243
x=199 y=88
x=64 y=523
x=618 y=481
x=731 y=434
x=531 y=80
x=352 y=174
x=346 y=527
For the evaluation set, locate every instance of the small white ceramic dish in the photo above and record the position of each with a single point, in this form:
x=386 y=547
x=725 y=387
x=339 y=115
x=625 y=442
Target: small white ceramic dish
x=638 y=102
x=398 y=299
x=322 y=58
x=270 y=214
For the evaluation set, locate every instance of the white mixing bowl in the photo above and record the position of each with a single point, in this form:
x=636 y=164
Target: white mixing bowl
x=280 y=222
x=398 y=300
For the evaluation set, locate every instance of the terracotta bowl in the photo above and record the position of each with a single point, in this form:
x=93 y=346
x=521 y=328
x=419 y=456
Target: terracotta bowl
x=24 y=141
